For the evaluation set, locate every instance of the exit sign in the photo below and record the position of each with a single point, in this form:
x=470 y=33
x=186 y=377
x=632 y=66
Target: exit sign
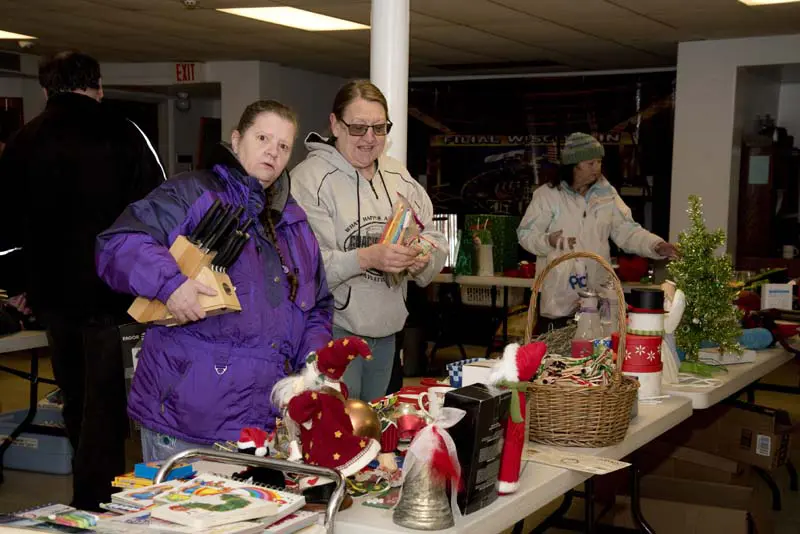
x=184 y=72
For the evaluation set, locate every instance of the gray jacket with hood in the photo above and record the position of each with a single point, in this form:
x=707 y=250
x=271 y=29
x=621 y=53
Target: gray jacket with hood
x=348 y=212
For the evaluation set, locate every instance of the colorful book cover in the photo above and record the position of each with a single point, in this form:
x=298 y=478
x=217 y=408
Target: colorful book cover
x=150 y=470
x=293 y=522
x=74 y=518
x=144 y=497
x=205 y=484
x=208 y=511
x=44 y=511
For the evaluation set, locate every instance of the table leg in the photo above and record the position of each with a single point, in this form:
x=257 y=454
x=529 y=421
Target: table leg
x=589 y=506
x=636 y=505
x=792 y=475
x=505 y=316
x=776 y=491
x=490 y=346
x=33 y=399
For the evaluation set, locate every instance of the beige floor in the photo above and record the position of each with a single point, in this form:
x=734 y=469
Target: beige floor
x=24 y=489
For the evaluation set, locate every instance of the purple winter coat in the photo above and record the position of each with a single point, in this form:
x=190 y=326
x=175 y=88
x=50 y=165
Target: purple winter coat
x=205 y=381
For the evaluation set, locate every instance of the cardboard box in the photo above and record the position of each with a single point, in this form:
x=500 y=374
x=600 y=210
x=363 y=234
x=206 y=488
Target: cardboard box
x=477 y=372
x=690 y=464
x=751 y=434
x=776 y=296
x=675 y=506
x=756 y=435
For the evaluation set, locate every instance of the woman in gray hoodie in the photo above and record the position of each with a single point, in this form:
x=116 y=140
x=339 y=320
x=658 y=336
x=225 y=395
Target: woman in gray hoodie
x=349 y=188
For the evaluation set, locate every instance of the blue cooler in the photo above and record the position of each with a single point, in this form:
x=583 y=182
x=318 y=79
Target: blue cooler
x=37 y=452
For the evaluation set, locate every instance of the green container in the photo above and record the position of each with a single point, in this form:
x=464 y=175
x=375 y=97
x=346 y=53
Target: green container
x=505 y=245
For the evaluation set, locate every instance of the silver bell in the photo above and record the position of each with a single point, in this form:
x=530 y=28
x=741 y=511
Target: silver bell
x=424 y=504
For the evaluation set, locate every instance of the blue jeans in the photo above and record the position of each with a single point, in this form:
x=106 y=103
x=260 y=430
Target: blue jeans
x=158 y=447
x=368 y=380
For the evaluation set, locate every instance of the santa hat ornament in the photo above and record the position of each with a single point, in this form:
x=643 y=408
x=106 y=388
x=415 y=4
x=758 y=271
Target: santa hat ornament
x=252 y=441
x=326 y=434
x=518 y=365
x=333 y=359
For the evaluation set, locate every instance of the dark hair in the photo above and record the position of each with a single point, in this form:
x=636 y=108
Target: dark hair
x=247 y=119
x=355 y=89
x=269 y=224
x=69 y=71
x=565 y=174
x=258 y=107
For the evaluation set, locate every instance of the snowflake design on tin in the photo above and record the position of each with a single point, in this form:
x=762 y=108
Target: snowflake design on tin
x=651 y=355
x=640 y=350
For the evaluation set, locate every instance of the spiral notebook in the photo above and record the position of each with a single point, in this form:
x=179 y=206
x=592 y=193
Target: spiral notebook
x=205 y=484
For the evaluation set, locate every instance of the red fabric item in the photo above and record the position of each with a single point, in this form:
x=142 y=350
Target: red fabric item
x=443 y=467
x=326 y=434
x=390 y=437
x=518 y=366
x=333 y=359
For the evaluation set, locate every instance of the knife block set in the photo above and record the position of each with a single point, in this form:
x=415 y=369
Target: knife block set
x=204 y=256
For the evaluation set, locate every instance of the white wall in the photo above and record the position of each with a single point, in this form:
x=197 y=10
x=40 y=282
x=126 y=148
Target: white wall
x=25 y=86
x=186 y=133
x=789 y=110
x=706 y=155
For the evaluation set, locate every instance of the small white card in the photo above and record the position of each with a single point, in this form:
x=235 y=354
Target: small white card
x=584 y=463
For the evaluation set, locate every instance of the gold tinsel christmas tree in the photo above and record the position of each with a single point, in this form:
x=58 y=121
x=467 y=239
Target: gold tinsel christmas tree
x=707 y=280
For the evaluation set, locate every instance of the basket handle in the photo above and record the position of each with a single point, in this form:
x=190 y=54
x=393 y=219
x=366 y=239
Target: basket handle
x=539 y=281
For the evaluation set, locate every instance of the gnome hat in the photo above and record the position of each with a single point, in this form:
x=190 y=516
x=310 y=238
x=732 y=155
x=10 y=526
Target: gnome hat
x=253 y=438
x=333 y=359
x=326 y=433
x=519 y=363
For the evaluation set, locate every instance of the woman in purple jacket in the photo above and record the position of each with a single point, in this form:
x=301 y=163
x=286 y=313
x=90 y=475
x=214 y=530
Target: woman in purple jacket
x=204 y=381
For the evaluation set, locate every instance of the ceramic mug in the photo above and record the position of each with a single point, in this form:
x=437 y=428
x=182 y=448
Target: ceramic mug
x=435 y=398
x=789 y=252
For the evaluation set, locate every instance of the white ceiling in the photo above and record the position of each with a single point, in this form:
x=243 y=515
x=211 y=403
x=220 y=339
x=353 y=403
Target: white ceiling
x=577 y=34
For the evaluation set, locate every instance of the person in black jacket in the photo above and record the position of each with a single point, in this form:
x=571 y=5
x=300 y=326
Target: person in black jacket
x=64 y=178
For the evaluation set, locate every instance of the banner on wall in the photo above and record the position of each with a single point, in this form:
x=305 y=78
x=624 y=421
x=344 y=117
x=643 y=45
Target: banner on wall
x=476 y=140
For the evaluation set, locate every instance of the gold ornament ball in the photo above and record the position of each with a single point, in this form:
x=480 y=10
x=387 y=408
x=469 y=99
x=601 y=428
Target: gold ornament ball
x=365 y=420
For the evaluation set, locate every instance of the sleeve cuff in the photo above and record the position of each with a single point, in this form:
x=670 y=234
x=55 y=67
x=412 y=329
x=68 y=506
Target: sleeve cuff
x=170 y=286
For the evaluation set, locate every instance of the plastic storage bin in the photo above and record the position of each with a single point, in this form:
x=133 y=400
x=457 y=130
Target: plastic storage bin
x=37 y=452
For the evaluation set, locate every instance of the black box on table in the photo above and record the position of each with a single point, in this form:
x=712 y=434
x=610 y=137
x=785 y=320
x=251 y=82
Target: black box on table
x=479 y=439
x=131 y=336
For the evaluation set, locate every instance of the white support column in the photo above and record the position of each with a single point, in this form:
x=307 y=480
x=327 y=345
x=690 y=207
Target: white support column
x=389 y=66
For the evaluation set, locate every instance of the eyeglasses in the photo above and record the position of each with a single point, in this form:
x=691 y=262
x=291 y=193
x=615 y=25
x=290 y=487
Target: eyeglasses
x=359 y=130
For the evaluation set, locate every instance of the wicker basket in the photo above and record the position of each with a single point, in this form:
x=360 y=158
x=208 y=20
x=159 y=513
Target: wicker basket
x=574 y=416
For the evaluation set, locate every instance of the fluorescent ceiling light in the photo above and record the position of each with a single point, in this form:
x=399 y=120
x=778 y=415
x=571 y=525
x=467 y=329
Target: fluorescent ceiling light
x=11 y=35
x=766 y=2
x=295 y=18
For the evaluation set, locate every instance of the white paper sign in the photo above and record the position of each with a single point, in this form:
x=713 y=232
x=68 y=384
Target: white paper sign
x=584 y=463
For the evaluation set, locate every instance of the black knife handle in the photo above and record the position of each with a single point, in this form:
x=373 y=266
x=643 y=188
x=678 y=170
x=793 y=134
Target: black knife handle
x=234 y=255
x=225 y=250
x=216 y=226
x=229 y=222
x=204 y=222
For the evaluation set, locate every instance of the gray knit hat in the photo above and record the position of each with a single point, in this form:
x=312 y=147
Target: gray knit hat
x=581 y=147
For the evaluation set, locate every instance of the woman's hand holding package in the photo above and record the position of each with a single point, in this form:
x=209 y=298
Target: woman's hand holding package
x=387 y=258
x=183 y=303
x=555 y=237
x=420 y=262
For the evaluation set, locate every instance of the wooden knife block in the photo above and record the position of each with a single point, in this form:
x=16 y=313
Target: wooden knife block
x=195 y=264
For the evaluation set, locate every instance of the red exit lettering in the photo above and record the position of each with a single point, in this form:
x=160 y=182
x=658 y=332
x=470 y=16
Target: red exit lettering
x=184 y=72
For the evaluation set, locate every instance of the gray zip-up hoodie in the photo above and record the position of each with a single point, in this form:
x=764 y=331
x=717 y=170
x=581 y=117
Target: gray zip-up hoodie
x=348 y=212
